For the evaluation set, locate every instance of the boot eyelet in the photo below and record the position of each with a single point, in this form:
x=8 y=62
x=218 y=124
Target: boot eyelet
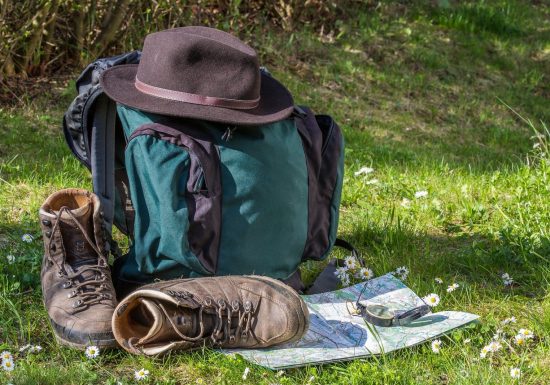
x=248 y=306
x=72 y=294
x=221 y=304
x=77 y=303
x=46 y=222
x=60 y=273
x=235 y=305
x=208 y=301
x=67 y=284
x=48 y=234
x=232 y=339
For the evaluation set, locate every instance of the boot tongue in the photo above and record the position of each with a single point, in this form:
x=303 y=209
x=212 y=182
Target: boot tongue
x=80 y=252
x=161 y=330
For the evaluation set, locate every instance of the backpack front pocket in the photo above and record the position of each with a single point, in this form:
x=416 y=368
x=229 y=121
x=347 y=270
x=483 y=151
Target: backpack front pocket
x=176 y=180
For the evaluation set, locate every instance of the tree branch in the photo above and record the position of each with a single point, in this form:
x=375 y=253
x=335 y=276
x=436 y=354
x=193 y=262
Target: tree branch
x=109 y=27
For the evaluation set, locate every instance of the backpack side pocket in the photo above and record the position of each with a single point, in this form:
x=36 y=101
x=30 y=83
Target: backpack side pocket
x=324 y=148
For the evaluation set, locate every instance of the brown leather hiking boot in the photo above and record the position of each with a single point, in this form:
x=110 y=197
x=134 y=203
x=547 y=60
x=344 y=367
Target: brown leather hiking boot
x=76 y=281
x=228 y=312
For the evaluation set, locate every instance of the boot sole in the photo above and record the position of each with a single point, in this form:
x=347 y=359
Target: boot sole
x=106 y=344
x=100 y=343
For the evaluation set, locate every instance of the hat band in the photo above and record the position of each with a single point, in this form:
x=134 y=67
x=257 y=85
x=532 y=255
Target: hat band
x=186 y=97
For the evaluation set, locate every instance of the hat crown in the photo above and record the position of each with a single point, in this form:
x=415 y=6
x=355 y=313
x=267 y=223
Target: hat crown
x=200 y=61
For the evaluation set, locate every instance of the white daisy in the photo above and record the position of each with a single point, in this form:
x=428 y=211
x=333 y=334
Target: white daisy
x=436 y=346
x=92 y=351
x=511 y=320
x=10 y=258
x=406 y=203
x=365 y=273
x=8 y=365
x=245 y=373
x=453 y=287
x=494 y=346
x=520 y=339
x=341 y=271
x=350 y=262
x=431 y=299
x=364 y=170
x=508 y=282
x=421 y=194
x=403 y=272
x=141 y=374
x=6 y=355
x=528 y=334
x=27 y=238
x=515 y=372
x=345 y=280
x=505 y=276
x=35 y=349
x=484 y=351
x=438 y=280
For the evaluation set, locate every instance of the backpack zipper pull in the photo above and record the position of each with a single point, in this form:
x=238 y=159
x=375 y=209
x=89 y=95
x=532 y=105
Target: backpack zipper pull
x=228 y=135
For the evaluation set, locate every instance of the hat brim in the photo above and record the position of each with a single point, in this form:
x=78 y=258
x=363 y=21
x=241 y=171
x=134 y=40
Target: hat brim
x=275 y=101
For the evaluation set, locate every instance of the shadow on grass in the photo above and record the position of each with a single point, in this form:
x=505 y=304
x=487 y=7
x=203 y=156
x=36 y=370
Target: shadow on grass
x=472 y=258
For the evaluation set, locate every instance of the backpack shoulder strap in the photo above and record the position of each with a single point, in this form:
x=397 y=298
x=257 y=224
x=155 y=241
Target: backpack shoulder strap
x=102 y=157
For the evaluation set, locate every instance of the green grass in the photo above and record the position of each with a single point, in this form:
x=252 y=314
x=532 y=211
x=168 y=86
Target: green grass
x=421 y=94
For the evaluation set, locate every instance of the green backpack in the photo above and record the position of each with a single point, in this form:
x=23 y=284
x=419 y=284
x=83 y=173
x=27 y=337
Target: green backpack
x=199 y=198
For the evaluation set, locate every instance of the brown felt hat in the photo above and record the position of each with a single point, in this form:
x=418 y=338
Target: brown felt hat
x=200 y=73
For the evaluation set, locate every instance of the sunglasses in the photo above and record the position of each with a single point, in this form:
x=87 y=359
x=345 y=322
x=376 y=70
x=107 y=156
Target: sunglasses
x=381 y=315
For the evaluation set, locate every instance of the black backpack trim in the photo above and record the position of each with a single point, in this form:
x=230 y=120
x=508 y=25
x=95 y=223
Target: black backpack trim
x=89 y=126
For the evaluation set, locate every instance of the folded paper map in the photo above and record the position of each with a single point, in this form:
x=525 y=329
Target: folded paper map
x=336 y=335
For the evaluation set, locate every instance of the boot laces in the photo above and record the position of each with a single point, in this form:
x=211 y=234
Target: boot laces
x=99 y=281
x=223 y=329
